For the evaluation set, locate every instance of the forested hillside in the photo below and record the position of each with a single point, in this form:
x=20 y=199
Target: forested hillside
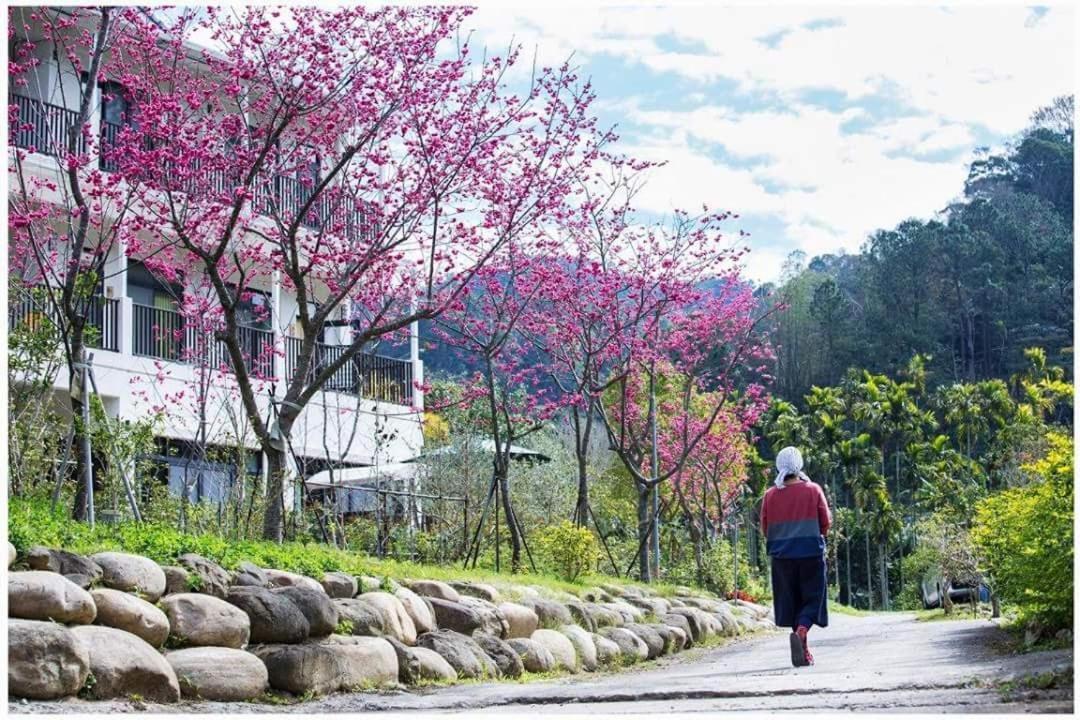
x=974 y=286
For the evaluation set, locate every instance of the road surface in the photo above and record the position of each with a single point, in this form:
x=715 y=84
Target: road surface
x=882 y=663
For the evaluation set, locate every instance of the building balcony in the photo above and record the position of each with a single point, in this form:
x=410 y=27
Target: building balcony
x=44 y=128
x=162 y=334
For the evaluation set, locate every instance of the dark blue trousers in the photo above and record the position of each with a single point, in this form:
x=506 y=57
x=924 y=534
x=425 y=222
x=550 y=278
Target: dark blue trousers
x=799 y=592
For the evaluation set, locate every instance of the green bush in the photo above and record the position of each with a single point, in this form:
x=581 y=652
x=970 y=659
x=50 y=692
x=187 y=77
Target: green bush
x=1025 y=537
x=568 y=550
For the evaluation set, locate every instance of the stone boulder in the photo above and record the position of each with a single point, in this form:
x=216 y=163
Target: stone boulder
x=492 y=619
x=632 y=648
x=218 y=673
x=205 y=576
x=63 y=562
x=124 y=665
x=551 y=614
x=653 y=639
x=420 y=611
x=339 y=663
x=42 y=595
x=396 y=622
x=477 y=590
x=46 y=661
x=11 y=554
x=671 y=642
x=760 y=612
x=583 y=646
x=596 y=595
x=363 y=617
x=124 y=611
x=454 y=616
x=680 y=638
x=274 y=618
x=316 y=607
x=281 y=578
x=366 y=583
x=367 y=662
x=250 y=575
x=559 y=646
x=197 y=620
x=652 y=605
x=417 y=664
x=83 y=581
x=535 y=658
x=176 y=579
x=505 y=657
x=695 y=618
x=728 y=622
x=462 y=652
x=521 y=621
x=131 y=573
x=339 y=585
x=580 y=612
x=676 y=620
x=607 y=652
x=603 y=616
x=434 y=589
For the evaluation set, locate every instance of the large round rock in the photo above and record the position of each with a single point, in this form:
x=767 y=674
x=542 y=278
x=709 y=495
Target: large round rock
x=124 y=665
x=492 y=620
x=454 y=616
x=653 y=639
x=521 y=621
x=434 y=589
x=41 y=595
x=339 y=663
x=131 y=573
x=364 y=618
x=367 y=661
x=535 y=658
x=281 y=578
x=250 y=575
x=273 y=618
x=422 y=615
x=505 y=657
x=583 y=645
x=632 y=648
x=63 y=562
x=551 y=614
x=396 y=622
x=339 y=585
x=176 y=579
x=124 y=611
x=317 y=607
x=46 y=661
x=607 y=652
x=462 y=652
x=197 y=619
x=218 y=673
x=206 y=575
x=559 y=646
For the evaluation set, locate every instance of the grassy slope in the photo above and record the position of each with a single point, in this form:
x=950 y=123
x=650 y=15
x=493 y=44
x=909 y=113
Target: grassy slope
x=31 y=522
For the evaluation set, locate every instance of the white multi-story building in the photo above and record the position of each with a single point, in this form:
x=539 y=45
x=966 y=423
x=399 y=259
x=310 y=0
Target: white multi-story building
x=368 y=415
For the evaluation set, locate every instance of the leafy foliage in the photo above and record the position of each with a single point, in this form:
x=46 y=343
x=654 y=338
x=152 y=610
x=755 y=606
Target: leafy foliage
x=1025 y=535
x=568 y=550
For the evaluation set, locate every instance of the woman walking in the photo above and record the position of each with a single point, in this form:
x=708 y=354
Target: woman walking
x=795 y=518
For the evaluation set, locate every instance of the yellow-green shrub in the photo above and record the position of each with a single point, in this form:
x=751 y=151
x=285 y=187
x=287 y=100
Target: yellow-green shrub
x=568 y=550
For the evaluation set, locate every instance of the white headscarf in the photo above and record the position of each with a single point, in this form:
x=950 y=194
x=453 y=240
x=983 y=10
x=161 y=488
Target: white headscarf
x=789 y=462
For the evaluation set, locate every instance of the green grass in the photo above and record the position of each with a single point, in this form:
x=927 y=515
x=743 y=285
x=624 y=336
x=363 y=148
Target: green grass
x=959 y=612
x=839 y=609
x=32 y=522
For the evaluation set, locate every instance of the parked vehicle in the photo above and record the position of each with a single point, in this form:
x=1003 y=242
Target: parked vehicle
x=933 y=589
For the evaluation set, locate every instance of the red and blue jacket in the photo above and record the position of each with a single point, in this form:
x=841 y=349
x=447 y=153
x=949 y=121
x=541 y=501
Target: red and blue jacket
x=795 y=519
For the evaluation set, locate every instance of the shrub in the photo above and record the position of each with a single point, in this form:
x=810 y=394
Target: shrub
x=1025 y=536
x=568 y=550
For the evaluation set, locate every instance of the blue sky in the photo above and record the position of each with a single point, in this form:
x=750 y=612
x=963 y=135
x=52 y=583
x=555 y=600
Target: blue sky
x=817 y=124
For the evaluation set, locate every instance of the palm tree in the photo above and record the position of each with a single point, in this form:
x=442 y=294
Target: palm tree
x=870 y=495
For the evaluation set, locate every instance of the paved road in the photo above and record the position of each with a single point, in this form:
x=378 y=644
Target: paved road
x=883 y=663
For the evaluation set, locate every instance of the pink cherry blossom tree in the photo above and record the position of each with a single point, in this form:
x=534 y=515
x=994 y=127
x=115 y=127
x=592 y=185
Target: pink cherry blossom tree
x=356 y=155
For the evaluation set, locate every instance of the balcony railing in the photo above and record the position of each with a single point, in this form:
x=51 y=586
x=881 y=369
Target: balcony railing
x=102 y=318
x=162 y=333
x=44 y=127
x=366 y=375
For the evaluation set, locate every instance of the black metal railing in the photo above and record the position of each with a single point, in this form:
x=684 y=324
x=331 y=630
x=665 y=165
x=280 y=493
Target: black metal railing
x=366 y=375
x=43 y=127
x=162 y=333
x=110 y=134
x=102 y=318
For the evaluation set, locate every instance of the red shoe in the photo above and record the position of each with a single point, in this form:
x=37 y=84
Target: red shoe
x=808 y=659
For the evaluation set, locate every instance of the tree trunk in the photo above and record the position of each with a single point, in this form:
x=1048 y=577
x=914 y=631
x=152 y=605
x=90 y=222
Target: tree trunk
x=884 y=576
x=995 y=606
x=502 y=476
x=847 y=560
x=644 y=526
x=274 y=518
x=869 y=574
x=582 y=433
